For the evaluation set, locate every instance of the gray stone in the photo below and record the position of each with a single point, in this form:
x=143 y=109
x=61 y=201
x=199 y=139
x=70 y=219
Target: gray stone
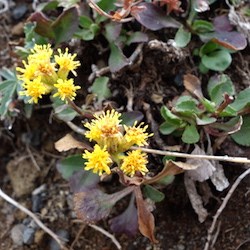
x=17 y=234
x=28 y=236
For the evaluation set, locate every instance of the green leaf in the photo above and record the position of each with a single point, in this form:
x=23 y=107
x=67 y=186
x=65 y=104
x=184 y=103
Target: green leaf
x=69 y=165
x=153 y=194
x=166 y=180
x=117 y=60
x=167 y=127
x=207 y=48
x=62 y=110
x=137 y=37
x=85 y=22
x=209 y=106
x=218 y=85
x=242 y=100
x=242 y=137
x=7 y=90
x=169 y=116
x=190 y=134
x=107 y=5
x=202 y=26
x=65 y=25
x=182 y=37
x=217 y=60
x=205 y=120
x=187 y=105
x=100 y=88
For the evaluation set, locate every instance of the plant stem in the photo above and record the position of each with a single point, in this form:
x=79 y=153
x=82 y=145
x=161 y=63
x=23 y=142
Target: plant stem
x=79 y=110
x=184 y=155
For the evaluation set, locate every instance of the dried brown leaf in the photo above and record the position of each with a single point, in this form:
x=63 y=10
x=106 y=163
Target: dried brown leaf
x=145 y=217
x=69 y=142
x=193 y=85
x=218 y=178
x=170 y=168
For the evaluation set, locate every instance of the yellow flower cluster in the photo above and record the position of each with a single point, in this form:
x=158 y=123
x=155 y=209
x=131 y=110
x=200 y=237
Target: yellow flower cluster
x=113 y=140
x=45 y=73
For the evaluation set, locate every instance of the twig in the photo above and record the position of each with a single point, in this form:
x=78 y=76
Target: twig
x=77 y=236
x=216 y=234
x=242 y=243
x=34 y=217
x=75 y=128
x=183 y=155
x=112 y=237
x=223 y=205
x=32 y=158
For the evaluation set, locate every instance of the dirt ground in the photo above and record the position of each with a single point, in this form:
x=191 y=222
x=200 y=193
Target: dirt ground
x=28 y=159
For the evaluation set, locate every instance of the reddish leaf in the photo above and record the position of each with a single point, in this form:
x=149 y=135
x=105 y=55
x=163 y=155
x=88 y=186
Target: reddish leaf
x=43 y=24
x=127 y=222
x=152 y=17
x=222 y=23
x=94 y=205
x=146 y=219
x=230 y=40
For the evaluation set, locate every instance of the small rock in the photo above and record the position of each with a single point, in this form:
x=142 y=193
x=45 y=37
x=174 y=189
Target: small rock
x=37 y=203
x=19 y=11
x=17 y=29
x=17 y=234
x=28 y=235
x=62 y=234
x=39 y=237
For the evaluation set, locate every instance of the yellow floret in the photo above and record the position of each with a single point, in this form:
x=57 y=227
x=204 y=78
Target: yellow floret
x=98 y=161
x=66 y=89
x=66 y=62
x=105 y=130
x=136 y=160
x=34 y=89
x=40 y=53
x=136 y=135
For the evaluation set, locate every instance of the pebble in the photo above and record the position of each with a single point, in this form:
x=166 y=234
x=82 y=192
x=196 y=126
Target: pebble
x=28 y=235
x=19 y=11
x=53 y=244
x=17 y=234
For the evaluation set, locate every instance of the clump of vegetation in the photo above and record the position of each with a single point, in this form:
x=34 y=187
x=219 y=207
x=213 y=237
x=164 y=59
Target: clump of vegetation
x=118 y=138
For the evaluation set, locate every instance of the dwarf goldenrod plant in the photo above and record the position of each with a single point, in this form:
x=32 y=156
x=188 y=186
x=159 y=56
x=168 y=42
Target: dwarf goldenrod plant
x=45 y=72
x=113 y=143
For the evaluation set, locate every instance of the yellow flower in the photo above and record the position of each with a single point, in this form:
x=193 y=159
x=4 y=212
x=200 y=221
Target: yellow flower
x=66 y=62
x=34 y=89
x=66 y=89
x=105 y=130
x=136 y=135
x=136 y=160
x=98 y=161
x=40 y=53
x=28 y=72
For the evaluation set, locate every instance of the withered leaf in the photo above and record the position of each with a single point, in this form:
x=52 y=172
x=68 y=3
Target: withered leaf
x=94 y=205
x=170 y=168
x=146 y=219
x=204 y=168
x=193 y=85
x=127 y=222
x=195 y=198
x=69 y=142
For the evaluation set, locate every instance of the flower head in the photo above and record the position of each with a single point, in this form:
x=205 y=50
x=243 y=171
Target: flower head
x=136 y=160
x=34 y=89
x=98 y=161
x=105 y=130
x=66 y=62
x=66 y=89
x=136 y=135
x=40 y=53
